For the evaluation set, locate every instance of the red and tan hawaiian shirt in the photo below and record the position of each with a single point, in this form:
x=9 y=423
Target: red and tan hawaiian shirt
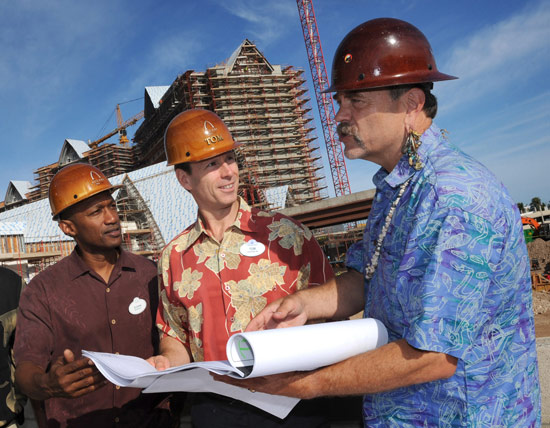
x=211 y=290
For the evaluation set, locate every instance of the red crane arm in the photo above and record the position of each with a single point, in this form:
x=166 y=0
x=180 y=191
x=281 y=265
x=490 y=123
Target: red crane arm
x=324 y=101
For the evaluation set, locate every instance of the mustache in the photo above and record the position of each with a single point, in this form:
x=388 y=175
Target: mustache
x=345 y=129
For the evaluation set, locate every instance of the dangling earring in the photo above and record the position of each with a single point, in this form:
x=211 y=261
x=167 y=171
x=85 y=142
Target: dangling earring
x=410 y=148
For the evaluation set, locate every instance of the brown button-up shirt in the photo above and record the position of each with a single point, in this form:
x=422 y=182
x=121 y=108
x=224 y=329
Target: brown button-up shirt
x=69 y=306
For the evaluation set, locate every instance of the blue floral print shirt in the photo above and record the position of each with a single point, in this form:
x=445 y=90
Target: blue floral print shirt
x=452 y=277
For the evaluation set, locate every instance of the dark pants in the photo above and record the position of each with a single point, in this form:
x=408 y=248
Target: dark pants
x=216 y=411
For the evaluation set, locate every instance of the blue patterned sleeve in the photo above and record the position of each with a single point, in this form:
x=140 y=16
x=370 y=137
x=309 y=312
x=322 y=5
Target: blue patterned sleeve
x=354 y=257
x=449 y=270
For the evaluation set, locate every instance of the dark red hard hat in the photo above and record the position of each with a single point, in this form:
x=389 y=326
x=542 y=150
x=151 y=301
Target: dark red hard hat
x=383 y=52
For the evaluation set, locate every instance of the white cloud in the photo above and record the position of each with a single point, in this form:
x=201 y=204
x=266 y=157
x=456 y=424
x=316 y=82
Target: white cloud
x=161 y=63
x=508 y=51
x=509 y=128
x=268 y=20
x=48 y=49
x=513 y=141
x=525 y=174
x=45 y=44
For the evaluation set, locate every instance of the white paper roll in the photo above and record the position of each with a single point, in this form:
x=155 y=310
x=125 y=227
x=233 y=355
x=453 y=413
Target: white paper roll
x=304 y=348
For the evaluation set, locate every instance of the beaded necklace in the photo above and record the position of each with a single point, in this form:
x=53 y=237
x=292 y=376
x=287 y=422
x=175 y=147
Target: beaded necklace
x=371 y=268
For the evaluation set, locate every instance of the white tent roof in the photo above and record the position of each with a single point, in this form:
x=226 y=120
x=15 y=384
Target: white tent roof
x=172 y=207
x=156 y=93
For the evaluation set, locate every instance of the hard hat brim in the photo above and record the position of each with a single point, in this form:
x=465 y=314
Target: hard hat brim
x=112 y=189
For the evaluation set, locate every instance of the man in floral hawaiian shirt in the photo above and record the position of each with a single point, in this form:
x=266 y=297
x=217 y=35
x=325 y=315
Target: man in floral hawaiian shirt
x=223 y=270
x=443 y=263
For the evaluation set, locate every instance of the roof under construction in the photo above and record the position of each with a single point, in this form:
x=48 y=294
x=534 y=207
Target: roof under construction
x=152 y=205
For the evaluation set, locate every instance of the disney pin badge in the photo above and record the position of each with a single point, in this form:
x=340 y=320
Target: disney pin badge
x=137 y=306
x=252 y=248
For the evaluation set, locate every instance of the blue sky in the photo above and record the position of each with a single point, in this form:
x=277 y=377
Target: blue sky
x=65 y=65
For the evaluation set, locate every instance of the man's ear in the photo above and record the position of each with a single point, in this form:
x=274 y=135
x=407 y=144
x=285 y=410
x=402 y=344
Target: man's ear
x=414 y=100
x=183 y=179
x=67 y=227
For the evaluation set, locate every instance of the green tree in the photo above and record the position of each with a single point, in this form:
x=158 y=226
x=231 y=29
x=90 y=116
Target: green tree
x=521 y=207
x=535 y=204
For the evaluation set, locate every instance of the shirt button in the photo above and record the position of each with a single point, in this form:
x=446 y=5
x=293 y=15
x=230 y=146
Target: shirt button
x=117 y=419
x=113 y=322
x=108 y=290
x=117 y=387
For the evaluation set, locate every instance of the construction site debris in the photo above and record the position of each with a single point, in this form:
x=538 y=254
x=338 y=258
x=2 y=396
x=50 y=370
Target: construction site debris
x=539 y=253
x=541 y=302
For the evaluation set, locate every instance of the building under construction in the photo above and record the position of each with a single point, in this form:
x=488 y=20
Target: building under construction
x=112 y=159
x=265 y=106
x=266 y=109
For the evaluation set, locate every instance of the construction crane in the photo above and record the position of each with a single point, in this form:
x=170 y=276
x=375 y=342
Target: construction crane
x=324 y=101
x=120 y=129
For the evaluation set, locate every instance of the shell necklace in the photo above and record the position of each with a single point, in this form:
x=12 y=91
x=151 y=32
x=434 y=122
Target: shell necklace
x=371 y=268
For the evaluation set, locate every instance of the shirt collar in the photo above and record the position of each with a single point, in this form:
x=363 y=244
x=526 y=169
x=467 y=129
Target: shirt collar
x=243 y=222
x=245 y=218
x=402 y=171
x=77 y=266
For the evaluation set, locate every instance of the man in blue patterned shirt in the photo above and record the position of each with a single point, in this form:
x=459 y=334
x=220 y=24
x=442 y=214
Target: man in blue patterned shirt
x=443 y=263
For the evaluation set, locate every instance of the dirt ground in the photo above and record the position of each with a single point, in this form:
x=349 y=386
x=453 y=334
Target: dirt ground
x=539 y=253
x=541 y=308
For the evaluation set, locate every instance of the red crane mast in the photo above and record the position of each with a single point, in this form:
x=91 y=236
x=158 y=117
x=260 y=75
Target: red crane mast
x=324 y=101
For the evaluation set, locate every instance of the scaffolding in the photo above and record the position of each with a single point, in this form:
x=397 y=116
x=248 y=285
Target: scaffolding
x=30 y=258
x=335 y=244
x=140 y=232
x=42 y=176
x=111 y=159
x=266 y=109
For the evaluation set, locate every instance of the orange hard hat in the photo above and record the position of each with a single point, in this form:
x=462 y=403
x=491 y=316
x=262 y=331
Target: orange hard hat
x=75 y=183
x=383 y=52
x=195 y=135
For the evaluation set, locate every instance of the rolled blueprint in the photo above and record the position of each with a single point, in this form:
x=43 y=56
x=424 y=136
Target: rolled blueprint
x=266 y=352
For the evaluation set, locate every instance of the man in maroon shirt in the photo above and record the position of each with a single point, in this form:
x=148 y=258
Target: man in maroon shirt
x=99 y=298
